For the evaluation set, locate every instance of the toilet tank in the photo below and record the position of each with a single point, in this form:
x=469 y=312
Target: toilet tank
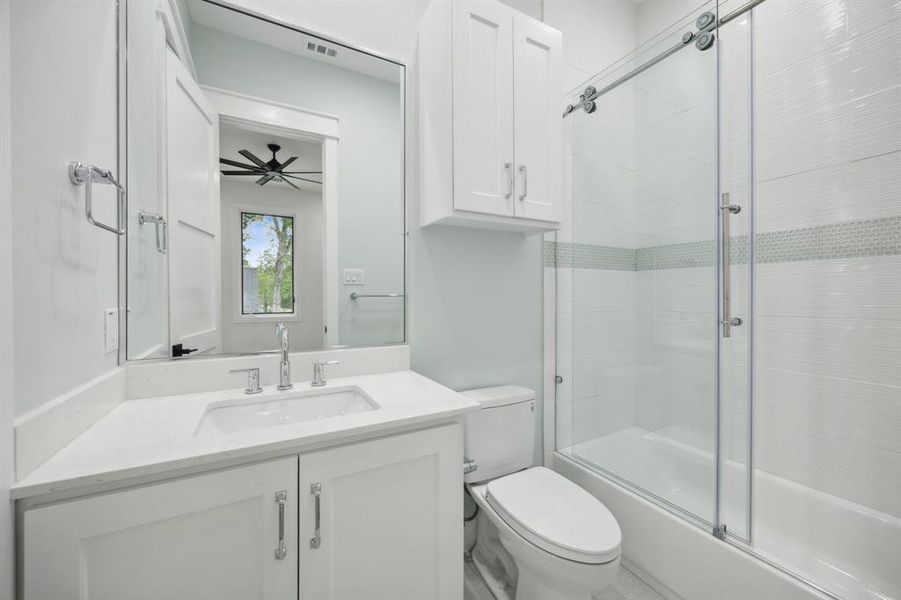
x=500 y=437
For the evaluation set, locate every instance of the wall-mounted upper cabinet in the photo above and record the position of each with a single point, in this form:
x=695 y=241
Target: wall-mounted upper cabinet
x=490 y=127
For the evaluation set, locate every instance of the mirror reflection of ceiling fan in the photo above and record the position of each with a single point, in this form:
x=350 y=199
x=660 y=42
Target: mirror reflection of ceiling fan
x=271 y=170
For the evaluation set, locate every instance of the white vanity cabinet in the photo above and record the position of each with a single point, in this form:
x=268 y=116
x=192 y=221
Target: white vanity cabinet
x=389 y=514
x=207 y=536
x=490 y=118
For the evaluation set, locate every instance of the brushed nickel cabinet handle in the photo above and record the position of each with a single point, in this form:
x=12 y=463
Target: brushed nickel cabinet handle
x=525 y=182
x=316 y=490
x=281 y=497
x=509 y=168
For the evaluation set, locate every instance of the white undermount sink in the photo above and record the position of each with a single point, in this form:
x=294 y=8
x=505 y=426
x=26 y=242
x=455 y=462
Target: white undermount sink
x=286 y=408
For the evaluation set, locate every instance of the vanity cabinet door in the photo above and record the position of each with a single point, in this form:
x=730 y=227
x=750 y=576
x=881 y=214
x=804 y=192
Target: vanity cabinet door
x=209 y=536
x=389 y=515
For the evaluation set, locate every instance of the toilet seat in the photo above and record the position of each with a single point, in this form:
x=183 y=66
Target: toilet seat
x=556 y=515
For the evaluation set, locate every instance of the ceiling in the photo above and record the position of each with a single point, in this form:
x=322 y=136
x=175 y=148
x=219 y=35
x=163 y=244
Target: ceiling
x=288 y=40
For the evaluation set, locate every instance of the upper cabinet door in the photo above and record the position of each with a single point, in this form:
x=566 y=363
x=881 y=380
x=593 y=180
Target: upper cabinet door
x=192 y=174
x=209 y=536
x=538 y=131
x=483 y=109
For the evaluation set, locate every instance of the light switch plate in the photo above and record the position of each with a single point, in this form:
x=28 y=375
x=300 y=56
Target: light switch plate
x=111 y=329
x=353 y=276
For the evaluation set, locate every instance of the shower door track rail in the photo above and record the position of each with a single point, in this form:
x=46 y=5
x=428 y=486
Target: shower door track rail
x=586 y=100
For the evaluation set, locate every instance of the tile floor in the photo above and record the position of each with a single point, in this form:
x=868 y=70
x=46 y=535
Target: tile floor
x=625 y=586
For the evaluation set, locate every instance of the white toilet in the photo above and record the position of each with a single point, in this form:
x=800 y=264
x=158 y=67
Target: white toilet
x=540 y=536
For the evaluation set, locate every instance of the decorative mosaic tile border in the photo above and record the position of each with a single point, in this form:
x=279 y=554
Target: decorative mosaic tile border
x=875 y=237
x=588 y=256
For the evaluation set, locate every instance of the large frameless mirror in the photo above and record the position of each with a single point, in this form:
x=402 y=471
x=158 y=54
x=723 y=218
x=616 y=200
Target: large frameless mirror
x=265 y=185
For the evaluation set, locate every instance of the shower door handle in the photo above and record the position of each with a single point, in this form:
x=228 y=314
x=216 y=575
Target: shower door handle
x=728 y=321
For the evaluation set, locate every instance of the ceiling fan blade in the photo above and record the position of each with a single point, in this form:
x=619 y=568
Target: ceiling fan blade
x=254 y=173
x=289 y=183
x=302 y=178
x=301 y=172
x=250 y=156
x=265 y=179
x=235 y=163
x=282 y=166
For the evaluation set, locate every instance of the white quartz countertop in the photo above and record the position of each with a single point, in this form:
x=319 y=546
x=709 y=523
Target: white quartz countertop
x=149 y=437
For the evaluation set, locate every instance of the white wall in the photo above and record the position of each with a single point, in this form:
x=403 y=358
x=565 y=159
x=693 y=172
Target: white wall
x=7 y=474
x=370 y=207
x=64 y=273
x=596 y=34
x=305 y=333
x=656 y=16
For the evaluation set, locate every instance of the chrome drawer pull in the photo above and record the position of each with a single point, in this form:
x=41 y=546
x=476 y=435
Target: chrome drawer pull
x=281 y=497
x=525 y=182
x=316 y=540
x=509 y=169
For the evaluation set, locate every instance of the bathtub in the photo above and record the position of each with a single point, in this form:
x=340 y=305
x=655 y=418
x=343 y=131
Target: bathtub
x=850 y=550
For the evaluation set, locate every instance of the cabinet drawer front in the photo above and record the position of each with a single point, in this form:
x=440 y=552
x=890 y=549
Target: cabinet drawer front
x=390 y=518
x=209 y=536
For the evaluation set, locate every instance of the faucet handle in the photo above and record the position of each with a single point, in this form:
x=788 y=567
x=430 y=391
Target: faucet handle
x=319 y=372
x=253 y=379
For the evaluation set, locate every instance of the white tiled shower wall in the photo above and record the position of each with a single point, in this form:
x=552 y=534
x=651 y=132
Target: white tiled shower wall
x=827 y=133
x=828 y=147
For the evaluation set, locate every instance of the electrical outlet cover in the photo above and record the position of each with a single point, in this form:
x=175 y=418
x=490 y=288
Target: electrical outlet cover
x=353 y=276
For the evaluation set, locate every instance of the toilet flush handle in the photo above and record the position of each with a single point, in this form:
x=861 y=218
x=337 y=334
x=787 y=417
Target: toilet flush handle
x=469 y=466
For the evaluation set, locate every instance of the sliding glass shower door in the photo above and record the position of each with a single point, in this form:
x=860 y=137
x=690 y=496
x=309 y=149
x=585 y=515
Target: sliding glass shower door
x=640 y=372
x=756 y=182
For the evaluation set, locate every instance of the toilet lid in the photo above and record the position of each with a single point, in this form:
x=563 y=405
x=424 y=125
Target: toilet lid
x=557 y=515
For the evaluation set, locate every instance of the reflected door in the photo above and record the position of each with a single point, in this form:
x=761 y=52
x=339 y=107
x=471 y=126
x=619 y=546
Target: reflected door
x=192 y=169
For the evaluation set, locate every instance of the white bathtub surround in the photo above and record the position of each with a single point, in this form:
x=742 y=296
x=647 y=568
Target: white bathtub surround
x=149 y=437
x=44 y=431
x=855 y=556
x=657 y=542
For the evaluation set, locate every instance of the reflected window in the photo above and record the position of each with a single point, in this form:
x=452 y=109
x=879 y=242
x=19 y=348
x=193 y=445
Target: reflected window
x=267 y=264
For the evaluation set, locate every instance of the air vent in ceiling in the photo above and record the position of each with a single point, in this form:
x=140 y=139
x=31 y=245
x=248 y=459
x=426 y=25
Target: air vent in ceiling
x=320 y=49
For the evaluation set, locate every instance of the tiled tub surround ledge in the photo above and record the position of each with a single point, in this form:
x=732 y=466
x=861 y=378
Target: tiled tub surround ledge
x=44 y=431
x=851 y=239
x=149 y=438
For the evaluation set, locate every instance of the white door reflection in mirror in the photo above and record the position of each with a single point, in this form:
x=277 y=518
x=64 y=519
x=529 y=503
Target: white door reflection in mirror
x=192 y=159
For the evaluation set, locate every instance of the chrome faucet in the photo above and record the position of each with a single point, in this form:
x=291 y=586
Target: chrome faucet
x=319 y=372
x=284 y=367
